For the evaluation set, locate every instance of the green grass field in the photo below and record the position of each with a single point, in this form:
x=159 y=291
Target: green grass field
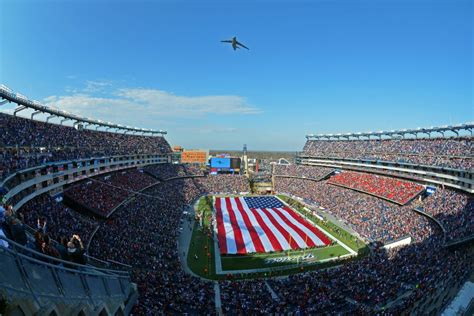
x=201 y=250
x=255 y=261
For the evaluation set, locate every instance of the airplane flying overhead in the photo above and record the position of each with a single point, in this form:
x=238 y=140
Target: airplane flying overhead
x=235 y=43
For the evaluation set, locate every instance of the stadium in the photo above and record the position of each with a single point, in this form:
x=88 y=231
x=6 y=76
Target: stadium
x=99 y=217
x=362 y=223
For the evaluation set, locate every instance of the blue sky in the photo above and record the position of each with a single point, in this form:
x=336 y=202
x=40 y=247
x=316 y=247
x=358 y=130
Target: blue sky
x=313 y=66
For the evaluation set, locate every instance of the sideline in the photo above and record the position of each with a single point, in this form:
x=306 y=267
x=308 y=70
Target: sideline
x=184 y=239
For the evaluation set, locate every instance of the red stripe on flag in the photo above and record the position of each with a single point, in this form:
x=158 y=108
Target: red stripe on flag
x=239 y=241
x=253 y=234
x=316 y=231
x=273 y=240
x=308 y=241
x=220 y=227
x=283 y=231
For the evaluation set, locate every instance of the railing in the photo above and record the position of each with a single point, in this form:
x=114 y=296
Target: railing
x=25 y=272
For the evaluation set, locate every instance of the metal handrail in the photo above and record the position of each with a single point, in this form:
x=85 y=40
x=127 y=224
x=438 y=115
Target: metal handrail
x=14 y=246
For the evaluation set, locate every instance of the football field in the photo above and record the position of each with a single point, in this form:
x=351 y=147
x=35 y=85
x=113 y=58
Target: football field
x=259 y=236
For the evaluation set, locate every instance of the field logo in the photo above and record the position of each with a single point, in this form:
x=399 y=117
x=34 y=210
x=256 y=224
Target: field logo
x=289 y=259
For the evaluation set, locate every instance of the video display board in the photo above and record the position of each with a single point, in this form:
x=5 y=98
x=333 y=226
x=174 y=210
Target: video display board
x=220 y=163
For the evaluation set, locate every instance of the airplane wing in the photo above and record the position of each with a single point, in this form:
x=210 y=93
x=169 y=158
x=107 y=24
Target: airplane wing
x=227 y=41
x=238 y=43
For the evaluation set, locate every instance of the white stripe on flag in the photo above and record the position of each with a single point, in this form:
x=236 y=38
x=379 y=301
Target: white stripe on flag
x=305 y=229
x=261 y=233
x=294 y=235
x=248 y=243
x=281 y=239
x=229 y=232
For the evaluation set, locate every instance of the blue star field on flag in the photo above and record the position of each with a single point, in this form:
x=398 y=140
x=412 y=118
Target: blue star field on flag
x=263 y=202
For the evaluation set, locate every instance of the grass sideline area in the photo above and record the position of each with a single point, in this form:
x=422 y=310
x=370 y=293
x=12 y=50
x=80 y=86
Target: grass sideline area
x=201 y=249
x=255 y=261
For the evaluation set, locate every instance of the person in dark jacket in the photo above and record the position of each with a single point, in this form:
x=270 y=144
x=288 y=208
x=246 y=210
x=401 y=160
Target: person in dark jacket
x=62 y=248
x=76 y=250
x=18 y=232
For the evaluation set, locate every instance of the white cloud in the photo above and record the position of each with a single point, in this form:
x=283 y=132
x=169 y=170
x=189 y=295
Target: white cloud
x=169 y=103
x=94 y=86
x=149 y=104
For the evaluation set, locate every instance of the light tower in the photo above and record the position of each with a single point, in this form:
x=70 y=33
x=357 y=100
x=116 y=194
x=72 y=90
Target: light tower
x=245 y=160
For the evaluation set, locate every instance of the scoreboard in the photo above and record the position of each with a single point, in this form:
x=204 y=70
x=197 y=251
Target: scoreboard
x=220 y=163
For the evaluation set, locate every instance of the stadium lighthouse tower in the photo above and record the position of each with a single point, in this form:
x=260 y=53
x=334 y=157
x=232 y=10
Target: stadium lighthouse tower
x=245 y=160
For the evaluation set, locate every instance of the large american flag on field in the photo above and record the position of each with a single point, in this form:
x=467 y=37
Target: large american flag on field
x=262 y=224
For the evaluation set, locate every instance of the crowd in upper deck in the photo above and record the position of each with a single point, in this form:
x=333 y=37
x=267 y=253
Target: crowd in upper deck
x=27 y=143
x=302 y=171
x=456 y=152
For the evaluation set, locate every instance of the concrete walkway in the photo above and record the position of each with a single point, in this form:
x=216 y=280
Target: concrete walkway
x=272 y=293
x=184 y=240
x=217 y=298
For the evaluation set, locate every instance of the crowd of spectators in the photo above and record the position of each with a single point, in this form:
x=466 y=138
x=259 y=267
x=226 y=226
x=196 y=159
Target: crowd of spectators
x=143 y=234
x=26 y=143
x=12 y=227
x=455 y=211
x=396 y=190
x=103 y=193
x=455 y=152
x=247 y=298
x=387 y=282
x=223 y=183
x=311 y=172
x=371 y=217
x=411 y=272
x=50 y=216
x=167 y=171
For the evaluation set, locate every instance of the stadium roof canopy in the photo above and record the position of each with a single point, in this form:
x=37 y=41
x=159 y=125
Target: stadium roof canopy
x=24 y=103
x=398 y=133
